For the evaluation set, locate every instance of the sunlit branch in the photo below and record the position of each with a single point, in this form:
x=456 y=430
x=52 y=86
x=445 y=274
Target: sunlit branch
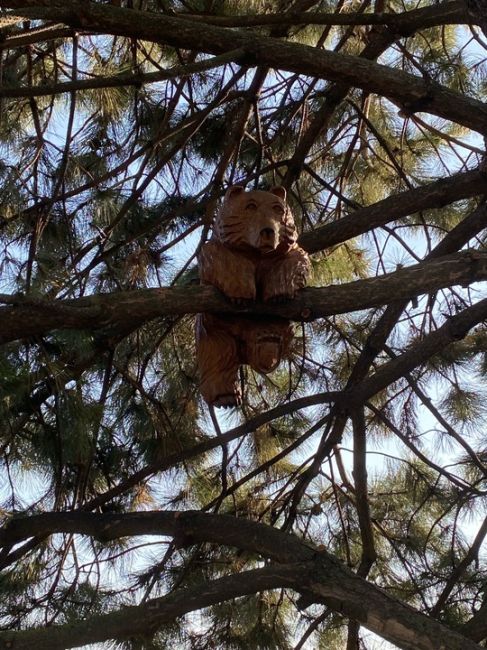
x=413 y=94
x=122 y=312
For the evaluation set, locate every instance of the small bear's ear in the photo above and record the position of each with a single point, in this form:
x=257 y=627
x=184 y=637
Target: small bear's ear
x=233 y=191
x=280 y=192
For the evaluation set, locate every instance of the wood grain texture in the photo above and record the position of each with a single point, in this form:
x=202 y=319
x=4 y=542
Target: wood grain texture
x=253 y=255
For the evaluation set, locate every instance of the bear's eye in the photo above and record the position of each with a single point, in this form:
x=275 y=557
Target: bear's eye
x=251 y=206
x=278 y=209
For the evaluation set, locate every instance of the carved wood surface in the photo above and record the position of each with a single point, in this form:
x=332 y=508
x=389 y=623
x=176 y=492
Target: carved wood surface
x=252 y=255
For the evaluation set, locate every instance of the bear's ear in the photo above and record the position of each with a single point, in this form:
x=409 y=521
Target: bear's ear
x=233 y=191
x=280 y=192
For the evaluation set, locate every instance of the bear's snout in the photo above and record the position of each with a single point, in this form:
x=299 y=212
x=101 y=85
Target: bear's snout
x=268 y=239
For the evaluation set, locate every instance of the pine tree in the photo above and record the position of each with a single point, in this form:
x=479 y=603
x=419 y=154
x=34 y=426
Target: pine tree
x=345 y=500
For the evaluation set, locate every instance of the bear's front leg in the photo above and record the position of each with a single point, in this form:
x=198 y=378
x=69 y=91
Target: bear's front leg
x=281 y=278
x=230 y=272
x=218 y=362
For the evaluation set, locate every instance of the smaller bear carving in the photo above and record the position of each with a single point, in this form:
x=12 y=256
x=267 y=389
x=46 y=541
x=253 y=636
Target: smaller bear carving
x=252 y=255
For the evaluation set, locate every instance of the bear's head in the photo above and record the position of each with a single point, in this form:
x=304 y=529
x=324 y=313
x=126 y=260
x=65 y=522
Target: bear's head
x=257 y=220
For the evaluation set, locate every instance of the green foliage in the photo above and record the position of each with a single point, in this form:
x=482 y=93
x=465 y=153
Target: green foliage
x=253 y=622
x=112 y=188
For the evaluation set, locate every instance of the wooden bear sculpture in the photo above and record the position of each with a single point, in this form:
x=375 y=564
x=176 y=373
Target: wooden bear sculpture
x=252 y=255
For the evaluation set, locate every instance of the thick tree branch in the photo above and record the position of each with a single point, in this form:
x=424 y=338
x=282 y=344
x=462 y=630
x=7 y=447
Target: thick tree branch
x=353 y=397
x=122 y=312
x=411 y=93
x=454 y=328
x=446 y=13
x=144 y=620
x=433 y=195
x=317 y=574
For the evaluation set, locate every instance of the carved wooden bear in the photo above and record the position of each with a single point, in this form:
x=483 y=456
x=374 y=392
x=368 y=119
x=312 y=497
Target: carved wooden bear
x=252 y=255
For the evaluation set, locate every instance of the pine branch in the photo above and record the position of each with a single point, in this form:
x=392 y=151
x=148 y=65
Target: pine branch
x=126 y=79
x=455 y=239
x=120 y=313
x=369 y=554
x=411 y=93
x=236 y=433
x=346 y=400
x=295 y=565
x=378 y=41
x=29 y=36
x=433 y=195
x=460 y=483
x=447 y=13
x=454 y=329
x=144 y=620
x=471 y=556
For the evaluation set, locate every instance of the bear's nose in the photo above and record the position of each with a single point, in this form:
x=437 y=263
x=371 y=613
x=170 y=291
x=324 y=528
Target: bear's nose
x=267 y=232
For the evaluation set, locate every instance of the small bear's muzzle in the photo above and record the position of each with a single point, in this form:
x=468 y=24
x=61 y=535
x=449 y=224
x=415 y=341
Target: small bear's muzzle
x=265 y=353
x=268 y=239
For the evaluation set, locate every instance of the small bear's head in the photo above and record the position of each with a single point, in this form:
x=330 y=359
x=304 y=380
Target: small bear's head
x=257 y=220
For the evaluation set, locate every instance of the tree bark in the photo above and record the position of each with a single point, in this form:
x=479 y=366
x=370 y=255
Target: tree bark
x=411 y=93
x=433 y=195
x=295 y=565
x=119 y=313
